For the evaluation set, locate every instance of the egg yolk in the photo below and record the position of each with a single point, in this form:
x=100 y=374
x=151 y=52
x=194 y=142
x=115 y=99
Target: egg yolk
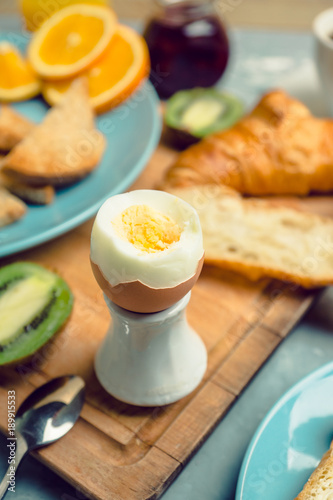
x=146 y=228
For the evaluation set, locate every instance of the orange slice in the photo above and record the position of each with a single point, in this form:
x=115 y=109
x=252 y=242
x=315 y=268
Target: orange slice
x=114 y=77
x=35 y=12
x=17 y=79
x=71 y=39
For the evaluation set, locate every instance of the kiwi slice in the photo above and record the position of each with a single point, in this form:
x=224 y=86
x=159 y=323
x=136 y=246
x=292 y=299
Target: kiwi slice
x=193 y=114
x=34 y=303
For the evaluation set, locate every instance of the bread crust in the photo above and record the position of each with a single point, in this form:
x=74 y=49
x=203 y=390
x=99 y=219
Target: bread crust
x=255 y=272
x=314 y=488
x=279 y=148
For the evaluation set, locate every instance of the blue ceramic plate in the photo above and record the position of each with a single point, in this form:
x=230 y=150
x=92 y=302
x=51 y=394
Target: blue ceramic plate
x=290 y=441
x=132 y=133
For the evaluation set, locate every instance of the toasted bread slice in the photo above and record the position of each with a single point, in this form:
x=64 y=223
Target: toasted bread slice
x=320 y=483
x=37 y=195
x=11 y=208
x=64 y=148
x=13 y=128
x=257 y=238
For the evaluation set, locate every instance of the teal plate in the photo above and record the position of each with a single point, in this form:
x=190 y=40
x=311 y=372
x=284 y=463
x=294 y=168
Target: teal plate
x=290 y=441
x=132 y=132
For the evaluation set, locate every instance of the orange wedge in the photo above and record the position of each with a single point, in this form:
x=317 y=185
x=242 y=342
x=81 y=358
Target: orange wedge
x=114 y=77
x=71 y=40
x=17 y=80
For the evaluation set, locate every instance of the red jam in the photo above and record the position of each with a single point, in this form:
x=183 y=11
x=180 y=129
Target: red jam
x=188 y=48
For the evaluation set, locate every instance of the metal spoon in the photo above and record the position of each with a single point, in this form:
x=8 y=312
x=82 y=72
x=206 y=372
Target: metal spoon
x=46 y=415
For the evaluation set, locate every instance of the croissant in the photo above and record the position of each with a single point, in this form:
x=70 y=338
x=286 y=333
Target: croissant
x=279 y=148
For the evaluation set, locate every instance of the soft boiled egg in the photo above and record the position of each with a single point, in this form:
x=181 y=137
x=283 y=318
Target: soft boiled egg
x=146 y=249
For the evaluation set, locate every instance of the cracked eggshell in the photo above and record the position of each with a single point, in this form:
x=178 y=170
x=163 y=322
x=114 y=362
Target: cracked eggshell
x=138 y=297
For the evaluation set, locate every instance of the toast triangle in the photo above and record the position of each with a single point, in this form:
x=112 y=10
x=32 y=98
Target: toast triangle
x=64 y=148
x=11 y=208
x=13 y=128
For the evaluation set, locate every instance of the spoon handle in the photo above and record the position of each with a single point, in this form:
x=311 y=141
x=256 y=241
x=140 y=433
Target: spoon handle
x=20 y=451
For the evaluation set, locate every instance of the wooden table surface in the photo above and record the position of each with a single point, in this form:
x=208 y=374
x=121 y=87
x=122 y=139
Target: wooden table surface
x=279 y=14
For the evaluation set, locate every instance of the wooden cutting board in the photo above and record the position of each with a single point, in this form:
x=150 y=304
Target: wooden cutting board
x=124 y=452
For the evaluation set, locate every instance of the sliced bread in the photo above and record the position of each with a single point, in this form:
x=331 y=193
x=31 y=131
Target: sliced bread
x=257 y=238
x=320 y=483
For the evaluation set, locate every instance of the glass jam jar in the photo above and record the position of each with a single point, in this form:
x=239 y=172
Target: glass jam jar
x=188 y=45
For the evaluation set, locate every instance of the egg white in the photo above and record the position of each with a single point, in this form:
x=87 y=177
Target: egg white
x=121 y=262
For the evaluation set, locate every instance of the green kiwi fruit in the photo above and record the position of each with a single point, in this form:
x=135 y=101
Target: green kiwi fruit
x=34 y=303
x=193 y=114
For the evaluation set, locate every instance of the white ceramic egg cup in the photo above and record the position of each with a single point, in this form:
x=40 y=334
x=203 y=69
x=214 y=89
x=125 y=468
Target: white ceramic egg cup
x=150 y=359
